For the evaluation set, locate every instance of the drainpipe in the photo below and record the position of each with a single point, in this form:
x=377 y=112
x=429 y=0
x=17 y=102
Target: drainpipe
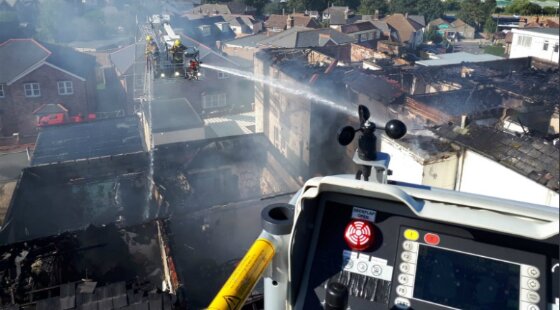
x=460 y=166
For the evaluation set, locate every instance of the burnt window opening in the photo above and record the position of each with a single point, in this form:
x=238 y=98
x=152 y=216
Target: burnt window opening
x=545 y=46
x=2 y=91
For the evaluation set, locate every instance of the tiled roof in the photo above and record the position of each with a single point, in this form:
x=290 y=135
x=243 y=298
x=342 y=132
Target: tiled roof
x=404 y=26
x=304 y=37
x=534 y=158
x=18 y=55
x=357 y=27
x=248 y=41
x=281 y=21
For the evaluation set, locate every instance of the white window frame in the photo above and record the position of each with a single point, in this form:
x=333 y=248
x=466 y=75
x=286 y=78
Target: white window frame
x=65 y=88
x=213 y=101
x=2 y=91
x=222 y=75
x=32 y=90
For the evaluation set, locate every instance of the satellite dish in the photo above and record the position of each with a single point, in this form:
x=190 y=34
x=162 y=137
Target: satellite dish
x=346 y=135
x=395 y=129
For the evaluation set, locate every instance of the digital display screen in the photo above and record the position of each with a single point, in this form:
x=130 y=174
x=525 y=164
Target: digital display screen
x=465 y=281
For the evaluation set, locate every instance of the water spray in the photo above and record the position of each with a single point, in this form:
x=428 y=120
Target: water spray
x=275 y=83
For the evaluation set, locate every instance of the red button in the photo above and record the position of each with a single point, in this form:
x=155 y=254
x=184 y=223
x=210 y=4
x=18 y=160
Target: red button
x=358 y=235
x=431 y=239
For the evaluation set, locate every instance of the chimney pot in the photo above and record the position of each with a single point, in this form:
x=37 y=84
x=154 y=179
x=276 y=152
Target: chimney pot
x=464 y=121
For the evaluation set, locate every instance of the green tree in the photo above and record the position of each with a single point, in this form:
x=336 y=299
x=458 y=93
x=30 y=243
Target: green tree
x=368 y=7
x=433 y=35
x=273 y=8
x=475 y=12
x=403 y=6
x=548 y=10
x=452 y=5
x=490 y=25
x=430 y=9
x=257 y=4
x=523 y=7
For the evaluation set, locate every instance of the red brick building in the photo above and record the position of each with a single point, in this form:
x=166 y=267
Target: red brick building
x=35 y=74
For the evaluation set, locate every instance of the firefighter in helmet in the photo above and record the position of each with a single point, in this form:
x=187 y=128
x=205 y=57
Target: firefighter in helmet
x=177 y=51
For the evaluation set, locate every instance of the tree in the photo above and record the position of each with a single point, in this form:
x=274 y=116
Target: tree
x=523 y=7
x=433 y=35
x=403 y=6
x=431 y=9
x=452 y=5
x=475 y=12
x=273 y=8
x=368 y=7
x=257 y=4
x=490 y=25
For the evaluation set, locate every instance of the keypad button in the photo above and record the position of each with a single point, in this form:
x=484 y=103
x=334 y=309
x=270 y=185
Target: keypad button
x=410 y=246
x=376 y=270
x=404 y=291
x=402 y=303
x=408 y=257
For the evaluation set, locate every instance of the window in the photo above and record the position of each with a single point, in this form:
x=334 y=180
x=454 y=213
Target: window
x=205 y=30
x=524 y=41
x=211 y=101
x=222 y=75
x=65 y=88
x=545 y=46
x=556 y=48
x=2 y=91
x=32 y=89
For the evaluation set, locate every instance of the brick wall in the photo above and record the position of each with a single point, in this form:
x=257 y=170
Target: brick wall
x=17 y=110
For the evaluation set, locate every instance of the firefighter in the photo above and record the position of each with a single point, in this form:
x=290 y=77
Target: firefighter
x=177 y=51
x=193 y=68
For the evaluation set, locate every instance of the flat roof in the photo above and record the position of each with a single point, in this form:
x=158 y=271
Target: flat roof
x=457 y=58
x=549 y=31
x=174 y=114
x=92 y=139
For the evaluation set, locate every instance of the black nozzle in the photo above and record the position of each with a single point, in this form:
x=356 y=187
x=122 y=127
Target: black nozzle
x=395 y=129
x=336 y=296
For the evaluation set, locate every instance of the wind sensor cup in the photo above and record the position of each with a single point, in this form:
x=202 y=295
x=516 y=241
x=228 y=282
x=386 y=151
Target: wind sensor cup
x=367 y=142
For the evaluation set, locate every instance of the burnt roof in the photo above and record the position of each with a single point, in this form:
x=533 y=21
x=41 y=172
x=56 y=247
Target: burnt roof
x=532 y=157
x=91 y=139
x=375 y=87
x=186 y=176
x=116 y=261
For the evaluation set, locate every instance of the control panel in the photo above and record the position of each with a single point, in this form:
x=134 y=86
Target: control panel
x=386 y=256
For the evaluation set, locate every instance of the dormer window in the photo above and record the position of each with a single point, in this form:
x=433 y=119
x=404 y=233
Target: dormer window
x=205 y=30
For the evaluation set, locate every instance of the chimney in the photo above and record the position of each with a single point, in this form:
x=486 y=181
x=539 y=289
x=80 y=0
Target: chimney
x=406 y=15
x=376 y=15
x=464 y=121
x=290 y=23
